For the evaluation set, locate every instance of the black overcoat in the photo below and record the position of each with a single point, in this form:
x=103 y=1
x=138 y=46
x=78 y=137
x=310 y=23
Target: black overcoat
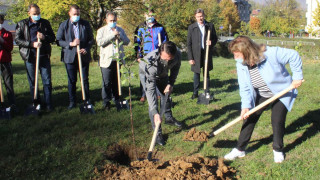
x=194 y=45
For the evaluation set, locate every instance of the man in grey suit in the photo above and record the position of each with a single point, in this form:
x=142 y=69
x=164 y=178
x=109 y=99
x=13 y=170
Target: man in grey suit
x=156 y=67
x=71 y=33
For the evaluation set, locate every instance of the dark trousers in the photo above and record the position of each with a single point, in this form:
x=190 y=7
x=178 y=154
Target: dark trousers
x=161 y=85
x=196 y=76
x=72 y=69
x=278 y=118
x=6 y=72
x=45 y=71
x=109 y=83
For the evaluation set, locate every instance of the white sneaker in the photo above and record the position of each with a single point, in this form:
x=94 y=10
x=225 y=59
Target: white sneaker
x=234 y=154
x=278 y=156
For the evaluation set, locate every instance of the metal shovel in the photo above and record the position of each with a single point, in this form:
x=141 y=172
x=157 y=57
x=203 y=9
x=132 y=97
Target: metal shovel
x=204 y=98
x=156 y=129
x=34 y=109
x=86 y=107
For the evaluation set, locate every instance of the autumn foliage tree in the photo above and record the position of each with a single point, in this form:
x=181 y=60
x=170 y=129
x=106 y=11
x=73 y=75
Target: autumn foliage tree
x=255 y=25
x=229 y=15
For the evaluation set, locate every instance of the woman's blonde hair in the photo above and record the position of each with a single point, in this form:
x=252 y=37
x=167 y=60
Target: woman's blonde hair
x=252 y=52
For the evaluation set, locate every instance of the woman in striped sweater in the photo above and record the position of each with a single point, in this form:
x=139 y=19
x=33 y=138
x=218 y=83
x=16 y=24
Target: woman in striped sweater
x=262 y=74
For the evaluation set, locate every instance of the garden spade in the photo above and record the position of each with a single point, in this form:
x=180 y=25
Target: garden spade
x=34 y=109
x=255 y=109
x=156 y=129
x=5 y=113
x=204 y=98
x=86 y=107
x=122 y=104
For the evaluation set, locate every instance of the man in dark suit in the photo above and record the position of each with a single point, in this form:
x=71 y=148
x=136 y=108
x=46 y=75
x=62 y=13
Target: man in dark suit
x=28 y=31
x=197 y=35
x=71 y=33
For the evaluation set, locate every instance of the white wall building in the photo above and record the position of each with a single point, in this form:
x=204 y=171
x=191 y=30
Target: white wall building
x=311 y=7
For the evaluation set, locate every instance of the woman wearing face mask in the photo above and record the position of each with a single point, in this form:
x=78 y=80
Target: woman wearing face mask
x=106 y=37
x=262 y=74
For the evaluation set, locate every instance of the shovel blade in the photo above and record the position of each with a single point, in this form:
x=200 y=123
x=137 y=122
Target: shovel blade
x=5 y=113
x=204 y=99
x=33 y=110
x=123 y=104
x=86 y=109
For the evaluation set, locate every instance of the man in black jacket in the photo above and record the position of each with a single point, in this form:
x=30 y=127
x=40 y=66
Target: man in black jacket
x=28 y=31
x=71 y=33
x=197 y=35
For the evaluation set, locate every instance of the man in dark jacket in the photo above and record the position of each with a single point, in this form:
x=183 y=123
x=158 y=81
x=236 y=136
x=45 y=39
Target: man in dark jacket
x=197 y=35
x=28 y=31
x=147 y=38
x=71 y=33
x=156 y=66
x=6 y=46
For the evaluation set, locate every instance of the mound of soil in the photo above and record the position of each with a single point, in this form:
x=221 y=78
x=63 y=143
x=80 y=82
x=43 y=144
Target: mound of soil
x=193 y=135
x=193 y=167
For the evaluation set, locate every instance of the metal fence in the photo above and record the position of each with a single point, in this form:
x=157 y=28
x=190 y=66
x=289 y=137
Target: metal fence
x=283 y=43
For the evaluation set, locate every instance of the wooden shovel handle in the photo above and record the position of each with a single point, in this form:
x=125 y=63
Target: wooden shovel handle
x=206 y=64
x=1 y=93
x=159 y=39
x=155 y=133
x=118 y=68
x=35 y=94
x=255 y=109
x=80 y=72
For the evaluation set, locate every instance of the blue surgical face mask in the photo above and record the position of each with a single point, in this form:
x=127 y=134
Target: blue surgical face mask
x=150 y=19
x=239 y=60
x=75 y=18
x=112 y=25
x=36 y=17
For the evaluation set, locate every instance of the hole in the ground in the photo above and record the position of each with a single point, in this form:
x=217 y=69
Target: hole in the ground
x=120 y=154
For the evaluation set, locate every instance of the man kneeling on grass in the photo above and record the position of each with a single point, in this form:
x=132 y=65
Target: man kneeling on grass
x=156 y=66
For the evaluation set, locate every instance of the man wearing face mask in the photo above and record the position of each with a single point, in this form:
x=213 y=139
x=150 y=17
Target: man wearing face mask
x=148 y=40
x=160 y=62
x=27 y=33
x=71 y=33
x=6 y=46
x=196 y=42
x=106 y=37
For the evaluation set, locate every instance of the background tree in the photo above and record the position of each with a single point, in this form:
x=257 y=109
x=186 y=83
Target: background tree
x=255 y=25
x=229 y=14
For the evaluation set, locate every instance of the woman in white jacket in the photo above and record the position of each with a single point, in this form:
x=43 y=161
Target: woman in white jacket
x=106 y=38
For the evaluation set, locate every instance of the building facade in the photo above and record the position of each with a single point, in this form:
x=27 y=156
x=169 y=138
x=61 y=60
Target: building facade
x=311 y=7
x=244 y=9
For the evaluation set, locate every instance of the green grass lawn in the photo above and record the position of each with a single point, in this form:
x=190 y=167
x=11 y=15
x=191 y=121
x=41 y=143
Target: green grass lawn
x=67 y=145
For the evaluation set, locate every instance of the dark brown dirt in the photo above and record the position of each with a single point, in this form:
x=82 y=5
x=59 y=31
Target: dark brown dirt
x=193 y=135
x=194 y=167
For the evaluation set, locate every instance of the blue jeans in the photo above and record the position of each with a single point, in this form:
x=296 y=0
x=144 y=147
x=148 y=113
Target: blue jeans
x=45 y=71
x=72 y=69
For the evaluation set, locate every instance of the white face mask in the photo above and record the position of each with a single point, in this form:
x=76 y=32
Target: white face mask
x=0 y=26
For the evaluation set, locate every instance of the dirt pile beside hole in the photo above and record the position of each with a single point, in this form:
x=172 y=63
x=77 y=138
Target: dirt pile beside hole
x=193 y=135
x=193 y=167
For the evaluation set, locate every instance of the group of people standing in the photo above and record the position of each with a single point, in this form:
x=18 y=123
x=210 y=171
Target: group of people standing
x=261 y=70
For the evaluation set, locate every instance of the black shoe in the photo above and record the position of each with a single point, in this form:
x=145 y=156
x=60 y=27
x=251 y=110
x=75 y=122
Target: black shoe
x=72 y=105
x=194 y=96
x=49 y=108
x=172 y=121
x=160 y=140
x=106 y=106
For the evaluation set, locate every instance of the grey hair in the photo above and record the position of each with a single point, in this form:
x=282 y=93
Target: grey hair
x=199 y=10
x=111 y=13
